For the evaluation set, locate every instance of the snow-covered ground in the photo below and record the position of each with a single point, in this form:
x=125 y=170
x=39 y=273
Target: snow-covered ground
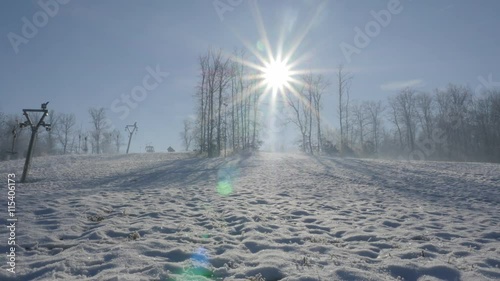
x=263 y=217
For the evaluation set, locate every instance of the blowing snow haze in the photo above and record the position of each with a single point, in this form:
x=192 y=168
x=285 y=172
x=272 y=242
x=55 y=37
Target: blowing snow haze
x=250 y=140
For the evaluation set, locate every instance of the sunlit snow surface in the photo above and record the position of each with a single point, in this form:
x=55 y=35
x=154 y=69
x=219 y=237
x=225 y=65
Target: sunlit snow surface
x=286 y=217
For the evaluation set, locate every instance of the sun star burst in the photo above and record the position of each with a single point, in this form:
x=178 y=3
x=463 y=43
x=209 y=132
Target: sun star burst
x=276 y=71
x=276 y=74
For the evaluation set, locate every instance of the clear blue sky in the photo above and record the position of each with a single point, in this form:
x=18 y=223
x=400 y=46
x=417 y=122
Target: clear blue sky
x=91 y=52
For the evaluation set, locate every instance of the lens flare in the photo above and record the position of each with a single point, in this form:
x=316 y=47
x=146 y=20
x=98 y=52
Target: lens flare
x=260 y=46
x=225 y=177
x=200 y=257
x=199 y=269
x=224 y=188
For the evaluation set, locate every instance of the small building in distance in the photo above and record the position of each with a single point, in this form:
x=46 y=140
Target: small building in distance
x=150 y=148
x=170 y=149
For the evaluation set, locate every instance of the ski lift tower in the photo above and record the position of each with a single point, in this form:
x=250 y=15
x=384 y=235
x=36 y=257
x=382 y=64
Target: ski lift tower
x=131 y=129
x=34 y=131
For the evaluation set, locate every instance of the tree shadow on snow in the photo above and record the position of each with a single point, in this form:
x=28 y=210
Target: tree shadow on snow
x=430 y=185
x=169 y=173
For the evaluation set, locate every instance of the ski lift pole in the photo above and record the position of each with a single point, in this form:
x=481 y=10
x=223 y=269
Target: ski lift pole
x=131 y=129
x=28 y=156
x=34 y=131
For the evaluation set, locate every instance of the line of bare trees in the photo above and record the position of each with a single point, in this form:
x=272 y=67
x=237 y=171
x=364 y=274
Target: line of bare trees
x=448 y=124
x=452 y=124
x=305 y=110
x=64 y=137
x=227 y=111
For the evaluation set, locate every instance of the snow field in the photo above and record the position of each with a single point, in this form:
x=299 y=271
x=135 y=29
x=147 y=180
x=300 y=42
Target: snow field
x=262 y=217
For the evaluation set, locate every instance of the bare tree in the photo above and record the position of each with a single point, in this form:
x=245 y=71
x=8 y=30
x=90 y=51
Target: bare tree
x=98 y=116
x=308 y=81
x=4 y=135
x=404 y=109
x=320 y=85
x=394 y=118
x=202 y=110
x=360 y=119
x=234 y=105
x=53 y=120
x=241 y=94
x=485 y=127
x=108 y=142
x=12 y=137
x=65 y=129
x=425 y=113
x=314 y=88
x=215 y=84
x=343 y=83
x=118 y=140
x=454 y=107
x=225 y=93
x=187 y=135
x=299 y=107
x=374 y=111
x=223 y=78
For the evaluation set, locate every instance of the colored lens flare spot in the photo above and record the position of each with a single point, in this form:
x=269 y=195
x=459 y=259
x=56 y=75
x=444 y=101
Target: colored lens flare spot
x=224 y=188
x=225 y=177
x=260 y=46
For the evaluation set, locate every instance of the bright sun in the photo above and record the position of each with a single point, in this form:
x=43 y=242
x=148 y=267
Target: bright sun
x=276 y=74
